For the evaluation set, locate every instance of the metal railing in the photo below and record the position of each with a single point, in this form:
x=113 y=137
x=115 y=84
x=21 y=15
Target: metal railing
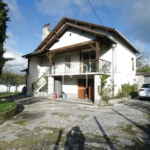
x=87 y=66
x=41 y=81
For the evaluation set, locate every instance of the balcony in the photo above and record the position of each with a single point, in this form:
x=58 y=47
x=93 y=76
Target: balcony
x=84 y=67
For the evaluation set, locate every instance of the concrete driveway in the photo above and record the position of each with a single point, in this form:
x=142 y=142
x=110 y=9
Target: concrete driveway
x=63 y=125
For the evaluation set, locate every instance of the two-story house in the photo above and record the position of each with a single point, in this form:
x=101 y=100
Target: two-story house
x=74 y=55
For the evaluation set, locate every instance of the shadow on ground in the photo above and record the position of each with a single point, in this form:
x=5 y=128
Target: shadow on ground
x=75 y=139
x=143 y=105
x=140 y=143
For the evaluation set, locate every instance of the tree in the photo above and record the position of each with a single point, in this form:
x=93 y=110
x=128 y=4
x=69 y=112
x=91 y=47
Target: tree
x=9 y=79
x=143 y=62
x=6 y=79
x=3 y=19
x=18 y=79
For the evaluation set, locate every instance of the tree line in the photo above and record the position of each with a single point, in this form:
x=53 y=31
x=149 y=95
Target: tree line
x=9 y=78
x=3 y=20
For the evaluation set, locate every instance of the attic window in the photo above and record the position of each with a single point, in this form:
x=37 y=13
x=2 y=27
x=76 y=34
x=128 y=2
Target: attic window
x=70 y=34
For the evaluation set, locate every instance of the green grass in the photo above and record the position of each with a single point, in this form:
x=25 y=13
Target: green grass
x=8 y=94
x=128 y=129
x=20 y=122
x=110 y=104
x=6 y=106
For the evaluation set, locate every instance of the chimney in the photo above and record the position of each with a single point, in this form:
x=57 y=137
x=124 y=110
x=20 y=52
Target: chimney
x=46 y=30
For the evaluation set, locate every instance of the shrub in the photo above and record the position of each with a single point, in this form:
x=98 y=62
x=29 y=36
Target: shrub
x=106 y=92
x=102 y=84
x=129 y=89
x=122 y=94
x=105 y=98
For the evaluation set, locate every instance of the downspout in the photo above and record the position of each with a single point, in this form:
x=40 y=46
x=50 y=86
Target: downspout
x=113 y=72
x=139 y=56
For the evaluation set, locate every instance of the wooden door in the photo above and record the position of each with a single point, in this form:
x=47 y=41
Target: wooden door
x=81 y=89
x=91 y=89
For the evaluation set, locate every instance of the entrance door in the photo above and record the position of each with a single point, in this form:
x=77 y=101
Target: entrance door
x=81 y=89
x=91 y=89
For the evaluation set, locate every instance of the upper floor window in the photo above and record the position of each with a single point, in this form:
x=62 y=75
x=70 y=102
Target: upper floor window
x=132 y=64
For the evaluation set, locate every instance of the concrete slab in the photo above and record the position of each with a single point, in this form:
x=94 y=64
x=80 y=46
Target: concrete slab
x=119 y=126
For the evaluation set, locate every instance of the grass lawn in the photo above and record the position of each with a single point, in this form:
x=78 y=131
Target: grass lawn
x=6 y=106
x=8 y=94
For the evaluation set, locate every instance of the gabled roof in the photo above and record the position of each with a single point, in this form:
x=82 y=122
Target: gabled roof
x=65 y=23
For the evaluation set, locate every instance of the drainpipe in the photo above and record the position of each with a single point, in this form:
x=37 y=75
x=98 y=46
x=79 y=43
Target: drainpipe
x=113 y=51
x=139 y=56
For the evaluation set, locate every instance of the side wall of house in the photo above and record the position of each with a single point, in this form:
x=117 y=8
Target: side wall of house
x=36 y=69
x=124 y=59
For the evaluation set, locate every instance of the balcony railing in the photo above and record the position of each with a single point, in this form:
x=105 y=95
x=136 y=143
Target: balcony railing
x=87 y=66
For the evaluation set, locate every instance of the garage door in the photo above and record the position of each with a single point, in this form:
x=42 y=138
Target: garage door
x=146 y=80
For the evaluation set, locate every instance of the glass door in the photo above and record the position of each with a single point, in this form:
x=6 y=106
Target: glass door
x=88 y=62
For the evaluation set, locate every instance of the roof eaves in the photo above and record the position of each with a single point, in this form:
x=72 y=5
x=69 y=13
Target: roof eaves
x=108 y=28
x=56 y=28
x=84 y=29
x=88 y=23
x=24 y=70
x=31 y=54
x=127 y=40
x=53 y=37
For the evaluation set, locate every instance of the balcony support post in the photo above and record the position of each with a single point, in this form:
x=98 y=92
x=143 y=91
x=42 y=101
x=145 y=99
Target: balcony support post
x=97 y=49
x=97 y=56
x=80 y=61
x=50 y=56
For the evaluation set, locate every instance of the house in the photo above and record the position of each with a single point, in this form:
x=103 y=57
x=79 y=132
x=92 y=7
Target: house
x=74 y=55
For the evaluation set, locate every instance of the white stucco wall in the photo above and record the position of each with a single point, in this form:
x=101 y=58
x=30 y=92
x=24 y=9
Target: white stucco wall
x=59 y=67
x=5 y=89
x=123 y=65
x=106 y=54
x=70 y=86
x=76 y=37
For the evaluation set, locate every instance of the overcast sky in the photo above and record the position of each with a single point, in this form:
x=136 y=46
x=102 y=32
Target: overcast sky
x=27 y=17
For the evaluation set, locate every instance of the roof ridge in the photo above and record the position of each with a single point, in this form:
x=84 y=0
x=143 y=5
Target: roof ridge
x=89 y=23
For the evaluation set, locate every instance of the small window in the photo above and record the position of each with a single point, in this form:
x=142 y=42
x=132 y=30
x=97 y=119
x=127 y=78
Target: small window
x=132 y=64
